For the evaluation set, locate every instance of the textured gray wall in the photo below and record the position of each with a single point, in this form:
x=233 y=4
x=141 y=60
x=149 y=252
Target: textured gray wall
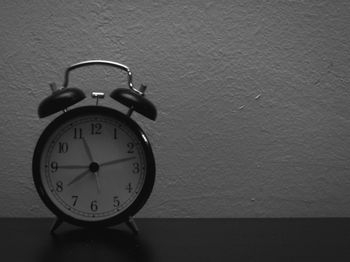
x=253 y=98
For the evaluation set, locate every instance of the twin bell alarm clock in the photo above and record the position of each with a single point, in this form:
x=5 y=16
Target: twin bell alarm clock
x=93 y=166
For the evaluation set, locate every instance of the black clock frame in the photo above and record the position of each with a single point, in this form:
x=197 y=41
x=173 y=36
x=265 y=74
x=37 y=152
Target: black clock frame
x=146 y=190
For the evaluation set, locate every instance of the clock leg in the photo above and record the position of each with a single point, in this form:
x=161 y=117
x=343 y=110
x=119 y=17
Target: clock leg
x=132 y=225
x=55 y=225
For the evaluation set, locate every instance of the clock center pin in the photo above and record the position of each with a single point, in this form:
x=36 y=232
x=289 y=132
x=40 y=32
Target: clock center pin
x=94 y=167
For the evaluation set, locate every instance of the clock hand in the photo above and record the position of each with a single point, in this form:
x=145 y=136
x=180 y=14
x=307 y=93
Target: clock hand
x=72 y=166
x=87 y=149
x=97 y=182
x=78 y=177
x=116 y=161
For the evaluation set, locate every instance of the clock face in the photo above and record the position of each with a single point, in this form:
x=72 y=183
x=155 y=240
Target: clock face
x=93 y=164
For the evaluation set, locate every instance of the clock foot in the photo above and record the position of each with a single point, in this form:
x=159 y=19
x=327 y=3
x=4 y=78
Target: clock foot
x=132 y=225
x=55 y=225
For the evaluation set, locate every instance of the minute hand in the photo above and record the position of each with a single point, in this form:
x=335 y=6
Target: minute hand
x=116 y=161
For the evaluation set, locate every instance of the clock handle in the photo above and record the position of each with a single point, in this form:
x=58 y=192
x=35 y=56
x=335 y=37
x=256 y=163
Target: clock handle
x=101 y=62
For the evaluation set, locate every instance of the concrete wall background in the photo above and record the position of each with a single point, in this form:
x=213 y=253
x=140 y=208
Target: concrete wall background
x=253 y=98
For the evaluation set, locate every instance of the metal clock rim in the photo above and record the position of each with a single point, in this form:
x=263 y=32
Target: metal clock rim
x=140 y=200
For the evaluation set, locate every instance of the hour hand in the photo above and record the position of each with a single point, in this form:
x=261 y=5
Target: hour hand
x=87 y=149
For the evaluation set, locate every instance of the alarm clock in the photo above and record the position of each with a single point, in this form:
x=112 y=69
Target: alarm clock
x=93 y=166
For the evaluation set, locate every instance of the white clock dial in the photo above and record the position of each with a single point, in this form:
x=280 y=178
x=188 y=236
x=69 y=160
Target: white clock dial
x=93 y=167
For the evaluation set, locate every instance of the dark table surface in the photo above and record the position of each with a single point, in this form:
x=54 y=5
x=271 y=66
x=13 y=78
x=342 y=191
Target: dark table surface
x=305 y=239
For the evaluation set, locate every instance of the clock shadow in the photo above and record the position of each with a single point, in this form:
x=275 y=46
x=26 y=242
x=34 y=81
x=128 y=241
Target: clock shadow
x=106 y=244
